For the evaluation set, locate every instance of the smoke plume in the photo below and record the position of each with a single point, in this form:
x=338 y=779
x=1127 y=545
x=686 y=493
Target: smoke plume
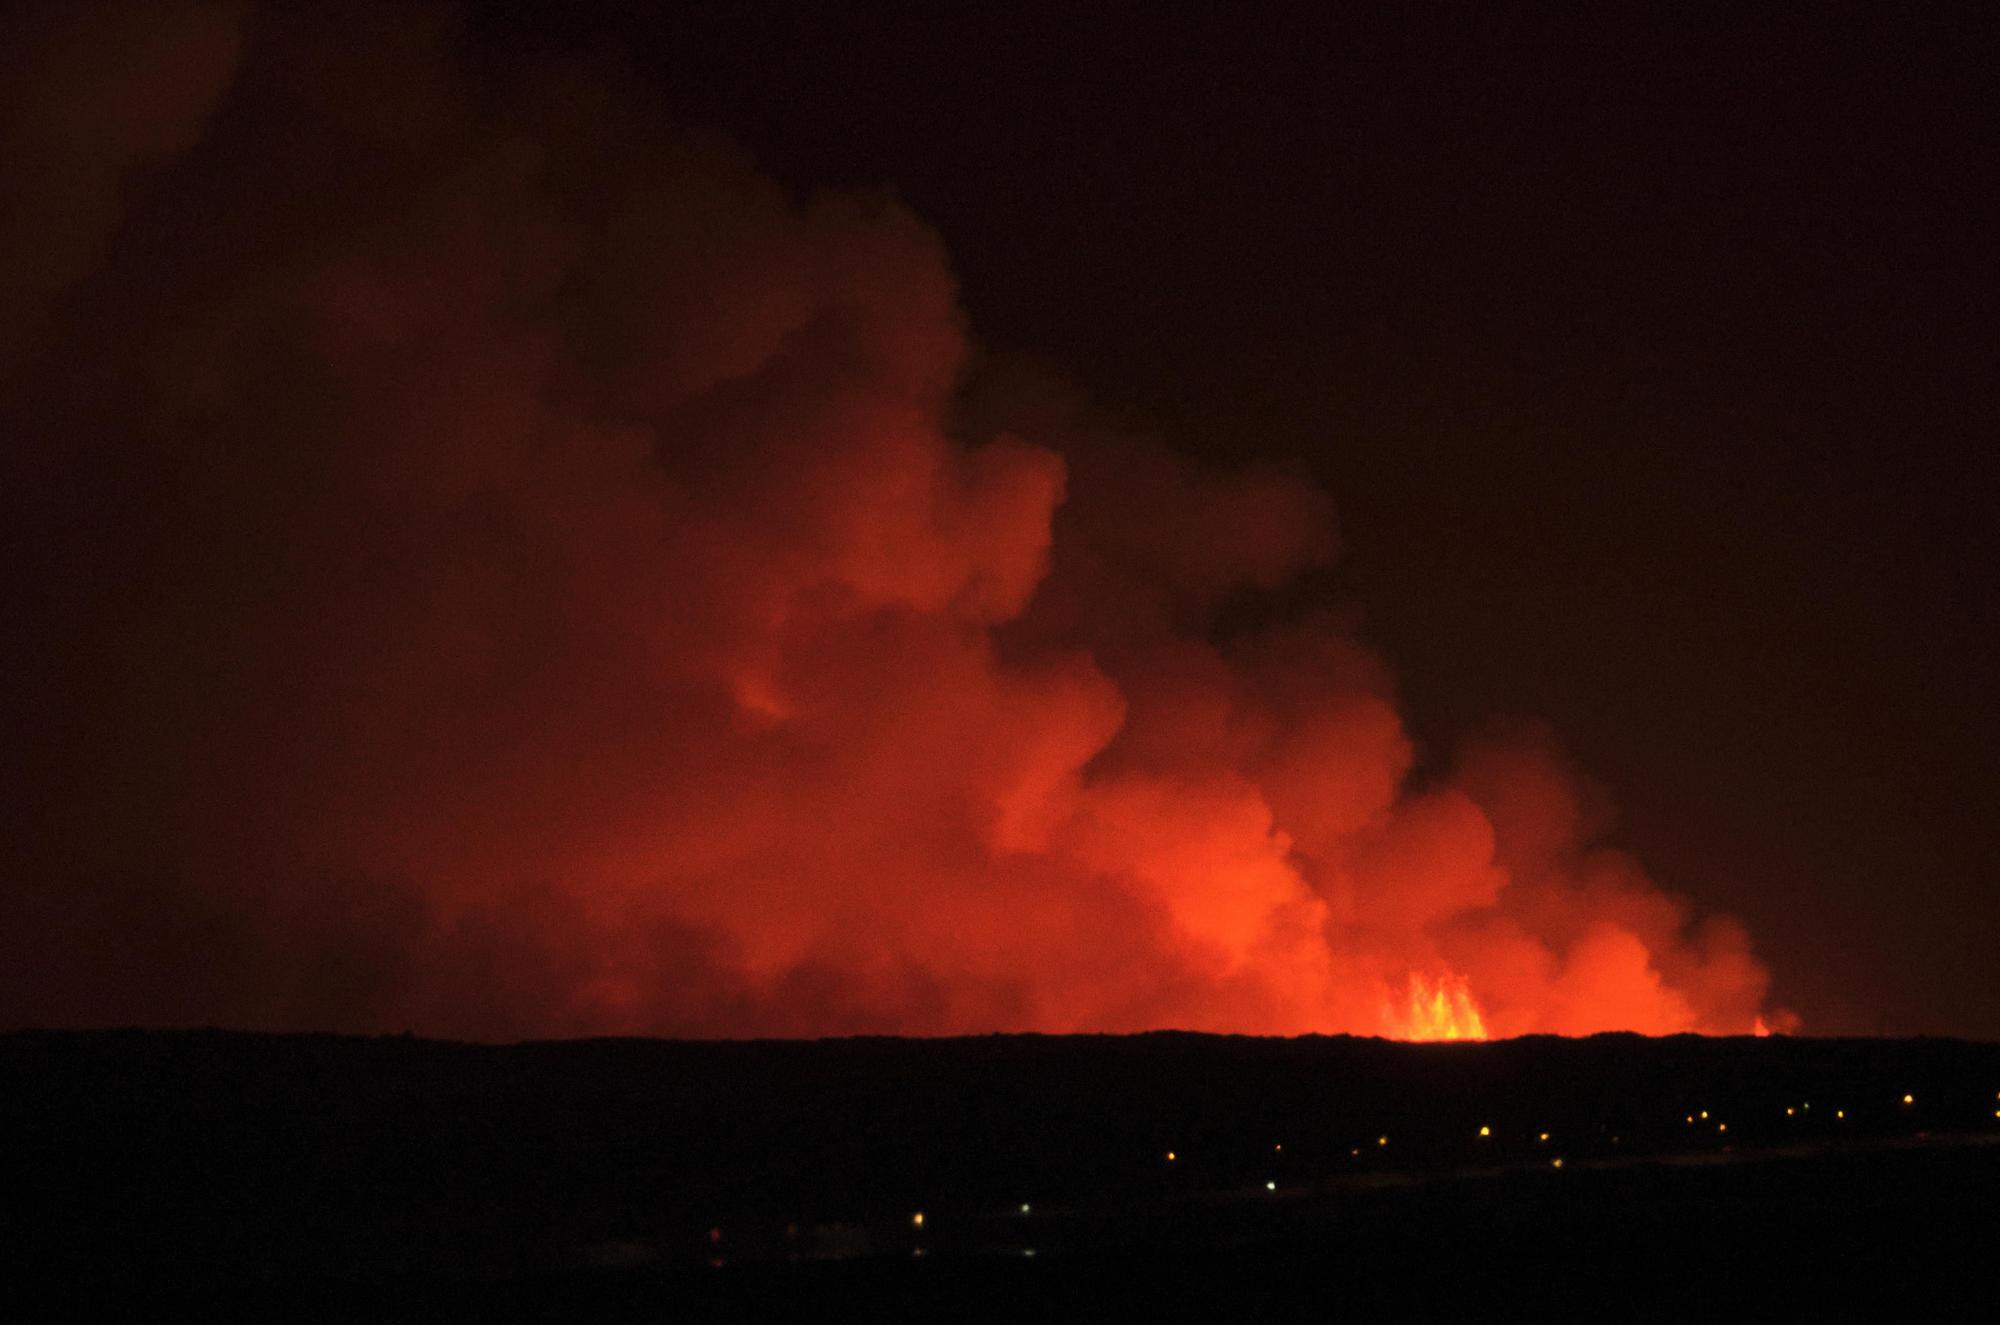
x=484 y=560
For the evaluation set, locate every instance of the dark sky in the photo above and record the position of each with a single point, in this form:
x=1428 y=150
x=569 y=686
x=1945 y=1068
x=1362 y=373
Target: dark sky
x=1644 y=351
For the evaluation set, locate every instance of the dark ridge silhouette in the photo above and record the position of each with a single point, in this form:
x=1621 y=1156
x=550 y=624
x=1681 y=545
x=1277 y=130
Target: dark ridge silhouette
x=599 y=1176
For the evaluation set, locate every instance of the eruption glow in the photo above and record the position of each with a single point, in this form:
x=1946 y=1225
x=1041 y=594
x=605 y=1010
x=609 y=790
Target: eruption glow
x=485 y=561
x=1441 y=1009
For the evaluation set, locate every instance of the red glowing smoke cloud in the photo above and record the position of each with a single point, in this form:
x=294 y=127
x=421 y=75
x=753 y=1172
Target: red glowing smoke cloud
x=487 y=562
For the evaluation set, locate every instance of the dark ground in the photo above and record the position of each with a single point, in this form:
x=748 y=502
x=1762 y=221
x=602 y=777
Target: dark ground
x=356 y=1178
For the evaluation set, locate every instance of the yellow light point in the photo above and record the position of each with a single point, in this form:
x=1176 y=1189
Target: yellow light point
x=1270 y=1186
x=1278 y=1149
x=1722 y=1127
x=1909 y=1099
x=1840 y=1113
x=917 y=1219
x=1486 y=1131
x=1704 y=1115
x=1171 y=1157
x=1690 y=1120
x=1791 y=1113
x=1025 y=1207
x=1557 y=1162
x=1381 y=1140
x=1543 y=1137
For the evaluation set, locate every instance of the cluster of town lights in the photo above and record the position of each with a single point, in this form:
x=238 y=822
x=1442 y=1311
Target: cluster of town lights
x=1485 y=1132
x=1542 y=1138
x=1271 y=1185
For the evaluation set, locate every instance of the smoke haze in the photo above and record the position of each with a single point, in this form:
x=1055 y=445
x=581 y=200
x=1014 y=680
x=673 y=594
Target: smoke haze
x=483 y=560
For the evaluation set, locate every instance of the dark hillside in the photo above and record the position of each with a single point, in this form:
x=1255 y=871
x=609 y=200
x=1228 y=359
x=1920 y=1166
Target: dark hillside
x=747 y=1171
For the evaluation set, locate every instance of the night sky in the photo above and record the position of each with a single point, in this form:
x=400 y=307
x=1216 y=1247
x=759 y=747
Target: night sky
x=1642 y=351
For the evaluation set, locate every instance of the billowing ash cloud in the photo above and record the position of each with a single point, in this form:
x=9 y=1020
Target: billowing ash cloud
x=482 y=560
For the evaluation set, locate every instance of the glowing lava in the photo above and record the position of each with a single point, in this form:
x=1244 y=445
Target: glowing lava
x=1440 y=1009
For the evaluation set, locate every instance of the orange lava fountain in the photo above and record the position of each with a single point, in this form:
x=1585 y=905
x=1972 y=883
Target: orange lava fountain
x=1440 y=1009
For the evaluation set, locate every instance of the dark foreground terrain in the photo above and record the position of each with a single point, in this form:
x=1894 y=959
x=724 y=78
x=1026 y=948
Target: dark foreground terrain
x=1016 y=1176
